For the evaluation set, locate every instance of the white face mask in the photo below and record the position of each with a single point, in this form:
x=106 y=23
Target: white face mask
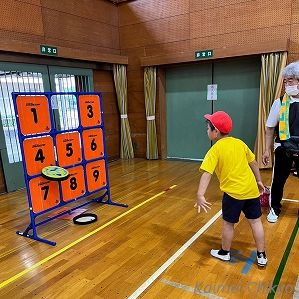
x=292 y=90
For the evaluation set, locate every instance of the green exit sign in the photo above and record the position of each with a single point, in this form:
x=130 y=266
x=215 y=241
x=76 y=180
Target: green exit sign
x=204 y=54
x=48 y=50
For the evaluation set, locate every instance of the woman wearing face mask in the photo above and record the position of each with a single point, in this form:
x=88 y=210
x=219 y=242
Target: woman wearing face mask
x=282 y=122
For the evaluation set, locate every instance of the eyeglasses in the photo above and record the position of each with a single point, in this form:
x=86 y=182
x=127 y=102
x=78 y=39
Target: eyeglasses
x=290 y=81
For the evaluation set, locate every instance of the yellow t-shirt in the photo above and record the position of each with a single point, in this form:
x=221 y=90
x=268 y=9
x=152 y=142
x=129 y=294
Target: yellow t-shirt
x=229 y=158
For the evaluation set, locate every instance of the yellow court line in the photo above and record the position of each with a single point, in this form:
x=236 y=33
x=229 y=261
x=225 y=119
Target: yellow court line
x=22 y=273
x=20 y=247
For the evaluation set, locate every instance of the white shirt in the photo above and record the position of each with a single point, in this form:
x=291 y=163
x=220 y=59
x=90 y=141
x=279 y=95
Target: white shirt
x=273 y=118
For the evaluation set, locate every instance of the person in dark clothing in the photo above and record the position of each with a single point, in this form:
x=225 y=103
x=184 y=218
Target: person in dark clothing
x=283 y=124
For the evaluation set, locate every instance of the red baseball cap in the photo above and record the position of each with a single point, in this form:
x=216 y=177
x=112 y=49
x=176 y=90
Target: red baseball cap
x=221 y=121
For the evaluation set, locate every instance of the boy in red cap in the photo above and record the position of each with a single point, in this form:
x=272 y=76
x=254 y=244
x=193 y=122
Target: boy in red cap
x=240 y=180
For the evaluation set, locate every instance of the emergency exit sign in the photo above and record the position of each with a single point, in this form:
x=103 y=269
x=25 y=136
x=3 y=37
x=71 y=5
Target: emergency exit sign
x=204 y=54
x=48 y=50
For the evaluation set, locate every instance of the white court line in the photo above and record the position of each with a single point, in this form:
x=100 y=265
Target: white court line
x=292 y=200
x=296 y=291
x=186 y=288
x=148 y=282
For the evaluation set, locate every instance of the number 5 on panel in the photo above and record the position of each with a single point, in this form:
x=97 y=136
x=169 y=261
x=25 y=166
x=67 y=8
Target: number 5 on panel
x=68 y=148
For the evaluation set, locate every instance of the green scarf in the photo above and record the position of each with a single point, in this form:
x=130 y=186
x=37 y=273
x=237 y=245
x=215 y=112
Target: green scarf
x=284 y=132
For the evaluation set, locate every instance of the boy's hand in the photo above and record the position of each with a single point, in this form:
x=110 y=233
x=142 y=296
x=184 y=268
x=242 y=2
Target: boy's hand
x=261 y=187
x=266 y=157
x=202 y=203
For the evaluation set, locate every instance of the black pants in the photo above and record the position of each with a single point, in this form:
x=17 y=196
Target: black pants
x=282 y=169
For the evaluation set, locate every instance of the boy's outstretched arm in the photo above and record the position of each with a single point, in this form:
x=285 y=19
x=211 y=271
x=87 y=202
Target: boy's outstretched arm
x=203 y=185
x=255 y=169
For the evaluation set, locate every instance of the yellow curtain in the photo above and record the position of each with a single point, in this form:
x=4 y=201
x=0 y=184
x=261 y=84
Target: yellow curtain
x=150 y=78
x=270 y=89
x=120 y=82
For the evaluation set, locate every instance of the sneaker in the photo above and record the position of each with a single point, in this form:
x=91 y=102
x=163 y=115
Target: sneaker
x=272 y=217
x=261 y=259
x=223 y=257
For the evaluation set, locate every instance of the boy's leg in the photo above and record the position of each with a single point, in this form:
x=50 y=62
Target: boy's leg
x=231 y=210
x=227 y=235
x=252 y=211
x=258 y=233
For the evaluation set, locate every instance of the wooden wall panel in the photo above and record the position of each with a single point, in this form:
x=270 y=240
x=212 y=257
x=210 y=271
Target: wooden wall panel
x=134 y=55
x=162 y=32
x=143 y=10
x=242 y=38
x=84 y=30
x=34 y=2
x=138 y=132
x=294 y=43
x=240 y=17
x=158 y=31
x=267 y=39
x=167 y=48
x=20 y=17
x=136 y=102
x=7 y=38
x=135 y=80
x=99 y=10
x=196 y=5
x=295 y=12
x=103 y=82
x=59 y=25
x=75 y=45
x=139 y=144
x=294 y=39
x=293 y=57
x=139 y=124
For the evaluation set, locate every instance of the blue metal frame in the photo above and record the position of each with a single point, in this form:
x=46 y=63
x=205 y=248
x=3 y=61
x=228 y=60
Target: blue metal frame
x=33 y=224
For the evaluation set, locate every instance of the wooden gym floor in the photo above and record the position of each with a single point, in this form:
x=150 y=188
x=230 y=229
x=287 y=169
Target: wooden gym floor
x=158 y=247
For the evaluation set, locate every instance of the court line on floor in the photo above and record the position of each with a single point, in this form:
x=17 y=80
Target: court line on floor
x=296 y=291
x=50 y=257
x=30 y=241
x=189 y=289
x=283 y=262
x=291 y=200
x=148 y=282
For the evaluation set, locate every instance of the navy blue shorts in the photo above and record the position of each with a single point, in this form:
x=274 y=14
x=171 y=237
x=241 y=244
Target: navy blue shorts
x=231 y=208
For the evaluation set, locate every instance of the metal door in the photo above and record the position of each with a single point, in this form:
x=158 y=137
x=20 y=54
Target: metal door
x=16 y=77
x=35 y=78
x=238 y=82
x=186 y=99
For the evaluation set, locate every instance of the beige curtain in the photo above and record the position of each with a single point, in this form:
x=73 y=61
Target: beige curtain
x=150 y=78
x=270 y=89
x=120 y=82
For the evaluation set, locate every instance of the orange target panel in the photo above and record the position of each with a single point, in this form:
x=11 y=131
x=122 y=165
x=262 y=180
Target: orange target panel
x=39 y=153
x=93 y=144
x=74 y=186
x=96 y=175
x=44 y=194
x=68 y=148
x=90 y=110
x=34 y=116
